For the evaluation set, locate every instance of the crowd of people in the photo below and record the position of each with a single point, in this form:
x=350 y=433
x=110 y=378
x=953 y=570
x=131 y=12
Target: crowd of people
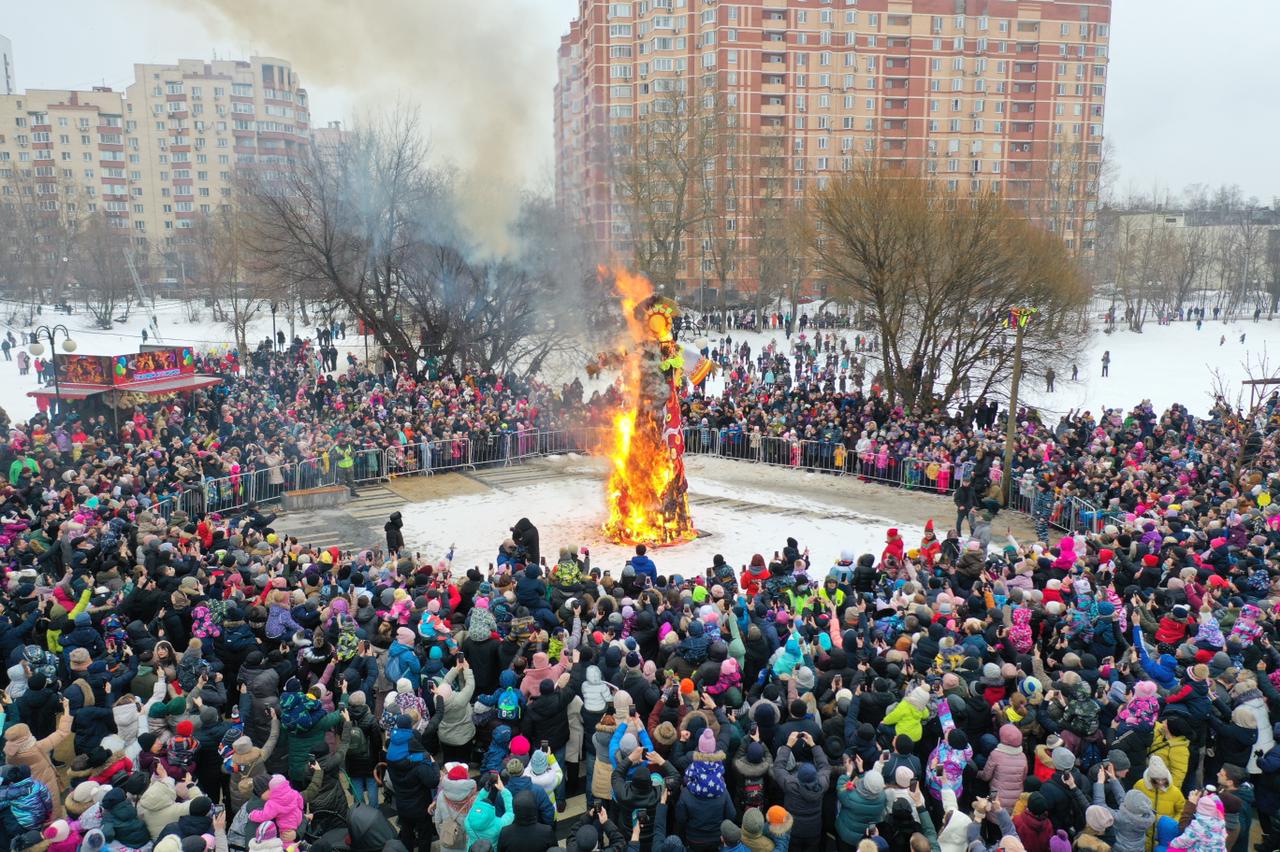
x=197 y=681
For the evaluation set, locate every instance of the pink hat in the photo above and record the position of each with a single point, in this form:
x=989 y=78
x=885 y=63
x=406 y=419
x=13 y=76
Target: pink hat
x=519 y=745
x=1209 y=806
x=1144 y=689
x=404 y=636
x=706 y=741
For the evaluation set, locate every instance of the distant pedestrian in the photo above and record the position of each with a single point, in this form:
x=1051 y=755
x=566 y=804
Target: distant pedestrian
x=1242 y=337
x=24 y=362
x=1049 y=376
x=144 y=335
x=6 y=346
x=1106 y=363
x=1075 y=372
x=1222 y=341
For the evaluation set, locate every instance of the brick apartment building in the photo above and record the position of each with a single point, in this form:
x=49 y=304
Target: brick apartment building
x=978 y=94
x=156 y=156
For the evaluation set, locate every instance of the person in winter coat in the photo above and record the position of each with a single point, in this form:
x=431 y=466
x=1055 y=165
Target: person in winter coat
x=767 y=832
x=1172 y=745
x=457 y=729
x=862 y=801
x=414 y=780
x=284 y=806
x=331 y=798
x=452 y=805
x=248 y=762
x=21 y=748
x=1207 y=829
x=401 y=659
x=483 y=822
x=121 y=822
x=547 y=718
x=634 y=790
x=1133 y=819
x=1157 y=785
x=362 y=759
x=803 y=789
x=395 y=537
x=908 y=716
x=160 y=805
x=1006 y=767
x=525 y=833
x=704 y=799
x=1033 y=825
x=525 y=536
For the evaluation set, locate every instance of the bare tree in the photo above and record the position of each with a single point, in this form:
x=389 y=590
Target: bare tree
x=940 y=273
x=221 y=272
x=658 y=166
x=99 y=264
x=346 y=222
x=41 y=222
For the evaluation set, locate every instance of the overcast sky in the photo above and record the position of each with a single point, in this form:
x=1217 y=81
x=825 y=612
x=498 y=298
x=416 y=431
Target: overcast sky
x=1194 y=94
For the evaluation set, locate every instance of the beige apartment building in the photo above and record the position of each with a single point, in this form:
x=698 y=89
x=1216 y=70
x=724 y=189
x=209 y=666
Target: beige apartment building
x=1004 y=95
x=157 y=155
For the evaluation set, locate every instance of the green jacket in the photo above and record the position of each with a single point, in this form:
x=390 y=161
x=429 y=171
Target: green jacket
x=300 y=745
x=346 y=457
x=15 y=469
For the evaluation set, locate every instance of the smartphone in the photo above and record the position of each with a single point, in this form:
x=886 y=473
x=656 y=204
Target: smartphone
x=216 y=809
x=914 y=786
x=546 y=747
x=884 y=756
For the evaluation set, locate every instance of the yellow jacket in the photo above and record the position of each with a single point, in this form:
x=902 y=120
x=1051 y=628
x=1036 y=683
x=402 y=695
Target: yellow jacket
x=907 y=719
x=1168 y=803
x=1176 y=754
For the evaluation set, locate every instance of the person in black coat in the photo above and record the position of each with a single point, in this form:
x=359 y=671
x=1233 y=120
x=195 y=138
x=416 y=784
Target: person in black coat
x=39 y=706
x=395 y=538
x=414 y=784
x=525 y=535
x=526 y=834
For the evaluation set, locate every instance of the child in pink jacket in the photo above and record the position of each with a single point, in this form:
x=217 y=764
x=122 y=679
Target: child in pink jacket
x=283 y=806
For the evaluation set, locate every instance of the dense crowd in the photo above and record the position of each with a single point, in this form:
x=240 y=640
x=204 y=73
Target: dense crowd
x=191 y=682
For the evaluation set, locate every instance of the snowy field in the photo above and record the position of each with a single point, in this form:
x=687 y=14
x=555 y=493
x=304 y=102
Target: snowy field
x=569 y=511
x=1164 y=364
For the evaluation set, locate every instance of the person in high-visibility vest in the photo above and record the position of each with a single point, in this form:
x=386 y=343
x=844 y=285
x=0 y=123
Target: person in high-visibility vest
x=346 y=467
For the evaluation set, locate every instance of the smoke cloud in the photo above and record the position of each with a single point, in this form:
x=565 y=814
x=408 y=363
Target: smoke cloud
x=477 y=68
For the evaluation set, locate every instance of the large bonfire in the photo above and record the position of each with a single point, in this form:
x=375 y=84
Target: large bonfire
x=647 y=492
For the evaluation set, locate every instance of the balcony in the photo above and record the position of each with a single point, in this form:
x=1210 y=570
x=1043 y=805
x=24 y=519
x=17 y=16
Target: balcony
x=773 y=66
x=773 y=109
x=773 y=89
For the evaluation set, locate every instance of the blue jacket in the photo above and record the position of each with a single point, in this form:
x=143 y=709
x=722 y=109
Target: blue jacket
x=546 y=810
x=1163 y=671
x=644 y=565
x=495 y=757
x=407 y=660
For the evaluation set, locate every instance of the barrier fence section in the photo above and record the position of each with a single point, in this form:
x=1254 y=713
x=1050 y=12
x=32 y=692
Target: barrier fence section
x=267 y=485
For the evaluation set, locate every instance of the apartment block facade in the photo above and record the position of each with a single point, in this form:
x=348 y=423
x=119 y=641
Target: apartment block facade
x=1005 y=95
x=157 y=155
x=7 y=84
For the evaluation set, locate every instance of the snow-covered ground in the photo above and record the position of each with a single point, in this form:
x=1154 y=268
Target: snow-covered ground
x=203 y=333
x=1166 y=364
x=569 y=512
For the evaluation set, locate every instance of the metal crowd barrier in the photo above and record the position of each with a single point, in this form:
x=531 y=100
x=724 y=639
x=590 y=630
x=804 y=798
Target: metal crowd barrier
x=267 y=485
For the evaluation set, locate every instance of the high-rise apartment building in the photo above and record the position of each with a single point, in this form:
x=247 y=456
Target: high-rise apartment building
x=1003 y=95
x=154 y=157
x=7 y=84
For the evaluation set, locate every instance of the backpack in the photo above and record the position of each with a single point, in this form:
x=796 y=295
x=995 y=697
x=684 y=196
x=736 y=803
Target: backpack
x=453 y=831
x=395 y=669
x=753 y=792
x=1080 y=717
x=358 y=743
x=182 y=752
x=509 y=705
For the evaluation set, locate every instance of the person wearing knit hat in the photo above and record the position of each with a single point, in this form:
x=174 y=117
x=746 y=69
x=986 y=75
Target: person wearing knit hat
x=730 y=834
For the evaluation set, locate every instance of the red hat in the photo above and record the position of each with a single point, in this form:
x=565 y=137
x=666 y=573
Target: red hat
x=185 y=728
x=1151 y=560
x=928 y=527
x=1218 y=581
x=1106 y=555
x=686 y=686
x=893 y=532
x=458 y=772
x=519 y=745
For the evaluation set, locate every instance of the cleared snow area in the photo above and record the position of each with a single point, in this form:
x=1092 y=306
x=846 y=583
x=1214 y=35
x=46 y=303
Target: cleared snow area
x=569 y=511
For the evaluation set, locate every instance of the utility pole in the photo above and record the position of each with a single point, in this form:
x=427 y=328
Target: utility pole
x=1019 y=317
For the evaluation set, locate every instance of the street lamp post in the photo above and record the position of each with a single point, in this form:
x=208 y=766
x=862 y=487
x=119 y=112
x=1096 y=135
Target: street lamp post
x=273 y=326
x=50 y=333
x=1018 y=317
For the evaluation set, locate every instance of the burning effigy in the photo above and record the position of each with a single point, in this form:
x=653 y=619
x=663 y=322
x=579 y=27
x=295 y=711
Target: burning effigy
x=647 y=493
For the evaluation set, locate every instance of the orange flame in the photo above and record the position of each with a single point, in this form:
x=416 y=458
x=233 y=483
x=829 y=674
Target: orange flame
x=646 y=492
